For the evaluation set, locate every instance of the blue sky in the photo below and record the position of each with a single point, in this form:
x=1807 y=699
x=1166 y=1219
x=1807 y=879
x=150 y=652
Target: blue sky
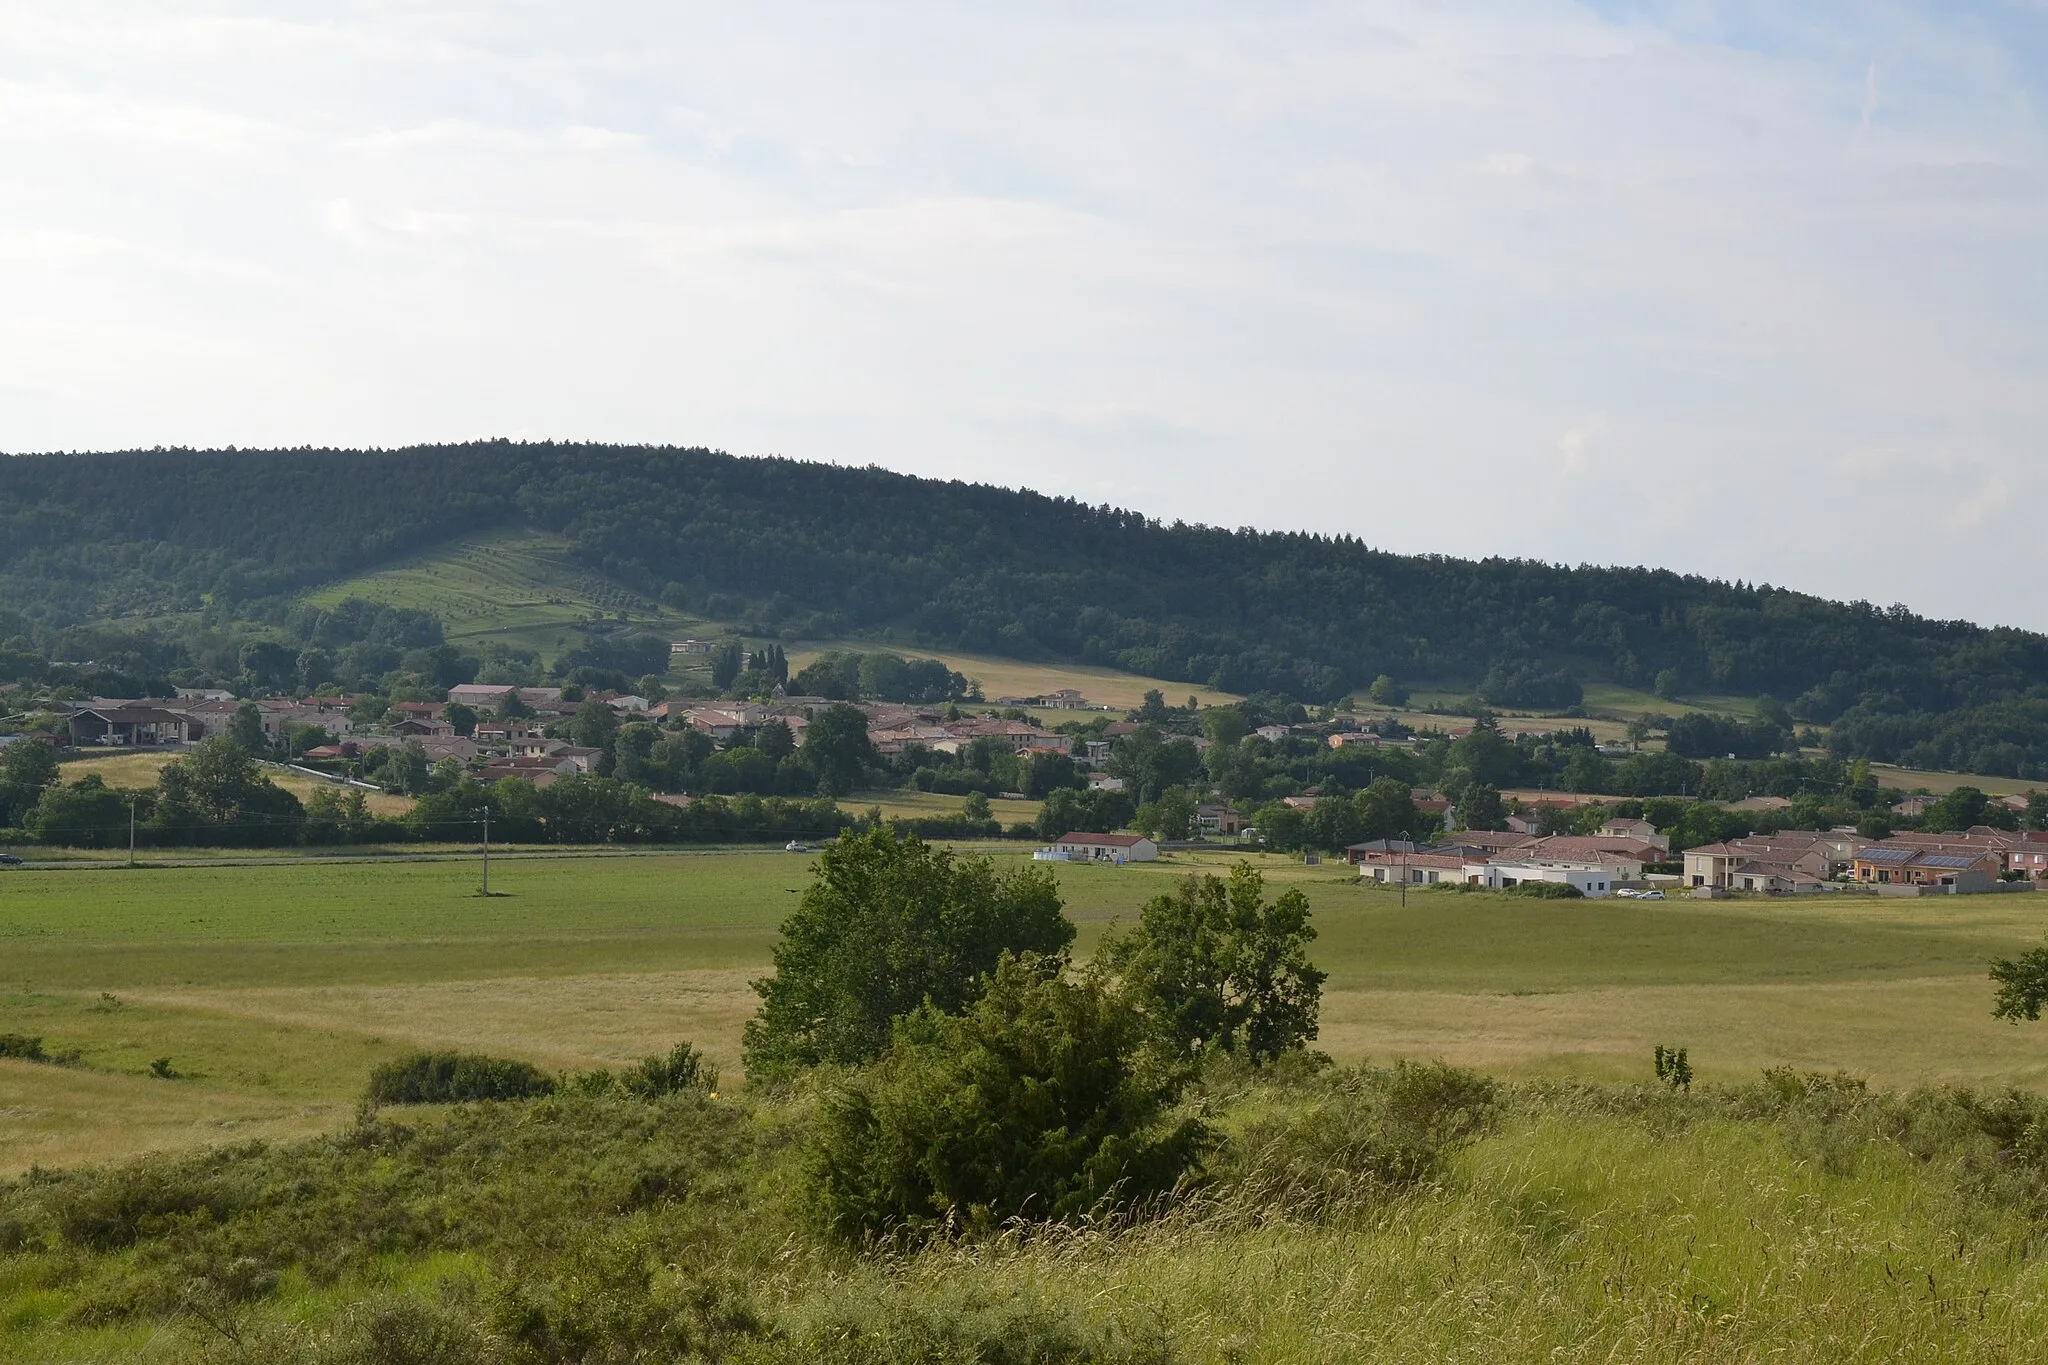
x=1757 y=291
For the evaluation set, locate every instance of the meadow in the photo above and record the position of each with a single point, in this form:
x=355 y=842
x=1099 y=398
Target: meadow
x=1596 y=1217
x=274 y=988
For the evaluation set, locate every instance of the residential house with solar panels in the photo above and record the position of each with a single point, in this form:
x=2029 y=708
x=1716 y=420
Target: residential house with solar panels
x=1892 y=865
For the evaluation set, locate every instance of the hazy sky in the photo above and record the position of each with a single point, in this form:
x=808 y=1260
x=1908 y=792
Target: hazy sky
x=1754 y=290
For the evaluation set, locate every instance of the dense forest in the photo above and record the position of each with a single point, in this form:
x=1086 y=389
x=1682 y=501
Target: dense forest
x=794 y=550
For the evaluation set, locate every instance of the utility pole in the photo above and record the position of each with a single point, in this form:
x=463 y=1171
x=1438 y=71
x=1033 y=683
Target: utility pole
x=487 y=850
x=131 y=831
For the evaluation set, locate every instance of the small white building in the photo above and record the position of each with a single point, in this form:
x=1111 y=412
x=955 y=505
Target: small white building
x=1103 y=782
x=1107 y=848
x=1592 y=879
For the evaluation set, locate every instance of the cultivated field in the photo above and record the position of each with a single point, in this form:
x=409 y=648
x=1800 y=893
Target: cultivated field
x=273 y=989
x=1016 y=678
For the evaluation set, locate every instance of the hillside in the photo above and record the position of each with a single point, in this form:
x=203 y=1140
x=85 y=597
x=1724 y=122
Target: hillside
x=810 y=552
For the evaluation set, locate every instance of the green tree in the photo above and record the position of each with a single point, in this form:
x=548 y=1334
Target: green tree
x=595 y=724
x=83 y=814
x=1387 y=692
x=463 y=718
x=27 y=766
x=246 y=729
x=1172 y=816
x=1958 y=810
x=727 y=662
x=2037 y=810
x=891 y=923
x=2022 y=985
x=216 y=792
x=837 y=748
x=1042 y=1100
x=1225 y=725
x=775 y=739
x=1479 y=807
x=1214 y=964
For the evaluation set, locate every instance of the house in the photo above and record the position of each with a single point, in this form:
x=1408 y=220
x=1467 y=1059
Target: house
x=1220 y=820
x=539 y=771
x=1343 y=739
x=1358 y=853
x=1529 y=824
x=1626 y=856
x=423 y=729
x=1064 y=699
x=421 y=710
x=1428 y=801
x=128 y=725
x=719 y=722
x=1592 y=879
x=1094 y=753
x=689 y=647
x=450 y=746
x=503 y=731
x=1773 y=878
x=1641 y=831
x=581 y=757
x=1272 y=734
x=1894 y=864
x=1417 y=869
x=1495 y=841
x=625 y=704
x=1300 y=803
x=1913 y=807
x=480 y=696
x=1103 y=782
x=1759 y=803
x=1107 y=848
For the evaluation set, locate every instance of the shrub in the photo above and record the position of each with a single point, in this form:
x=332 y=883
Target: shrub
x=22 y=1047
x=1041 y=1102
x=681 y=1068
x=453 y=1077
x=1547 y=891
x=1357 y=1135
x=969 y=1326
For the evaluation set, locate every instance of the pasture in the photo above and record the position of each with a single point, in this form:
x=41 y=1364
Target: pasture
x=273 y=989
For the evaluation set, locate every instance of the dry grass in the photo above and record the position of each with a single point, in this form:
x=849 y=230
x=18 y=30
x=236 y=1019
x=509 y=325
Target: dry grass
x=1015 y=678
x=60 y=1116
x=1934 y=1030
x=912 y=805
x=137 y=772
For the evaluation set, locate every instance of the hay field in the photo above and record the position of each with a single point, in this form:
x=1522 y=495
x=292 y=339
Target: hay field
x=274 y=989
x=1018 y=678
x=134 y=772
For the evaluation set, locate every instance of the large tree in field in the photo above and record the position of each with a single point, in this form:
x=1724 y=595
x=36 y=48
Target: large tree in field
x=837 y=748
x=1217 y=965
x=2022 y=985
x=889 y=924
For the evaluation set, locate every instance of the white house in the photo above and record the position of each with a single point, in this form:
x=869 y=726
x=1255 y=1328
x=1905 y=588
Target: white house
x=1592 y=879
x=1271 y=733
x=1107 y=848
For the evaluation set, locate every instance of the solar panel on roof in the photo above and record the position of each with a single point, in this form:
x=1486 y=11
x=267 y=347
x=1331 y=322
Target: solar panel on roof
x=1947 y=860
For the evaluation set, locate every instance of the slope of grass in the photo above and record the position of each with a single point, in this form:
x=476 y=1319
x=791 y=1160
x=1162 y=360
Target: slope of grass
x=138 y=772
x=517 y=588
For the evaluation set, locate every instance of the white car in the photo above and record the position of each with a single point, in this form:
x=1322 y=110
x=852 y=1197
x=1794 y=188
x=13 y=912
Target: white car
x=1650 y=896
x=794 y=847
x=1625 y=892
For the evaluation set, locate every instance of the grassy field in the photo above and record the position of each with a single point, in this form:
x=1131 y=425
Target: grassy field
x=273 y=989
x=137 y=772
x=1017 y=678
x=914 y=805
x=517 y=588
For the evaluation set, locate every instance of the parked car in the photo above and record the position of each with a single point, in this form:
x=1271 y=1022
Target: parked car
x=1626 y=891
x=1651 y=896
x=794 y=847
x=10 y=860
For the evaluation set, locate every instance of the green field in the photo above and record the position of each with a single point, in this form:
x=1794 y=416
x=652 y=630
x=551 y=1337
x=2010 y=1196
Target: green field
x=1591 y=1224
x=517 y=588
x=274 y=988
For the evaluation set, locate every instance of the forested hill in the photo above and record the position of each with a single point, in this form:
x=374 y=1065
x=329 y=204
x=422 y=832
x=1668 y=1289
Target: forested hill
x=817 y=550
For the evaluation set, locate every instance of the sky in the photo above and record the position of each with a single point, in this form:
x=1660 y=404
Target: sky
x=1756 y=291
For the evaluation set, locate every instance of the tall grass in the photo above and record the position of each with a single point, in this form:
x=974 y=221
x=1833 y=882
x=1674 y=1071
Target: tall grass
x=1411 y=1214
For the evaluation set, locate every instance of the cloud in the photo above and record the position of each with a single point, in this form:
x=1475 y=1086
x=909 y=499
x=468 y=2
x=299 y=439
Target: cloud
x=1534 y=261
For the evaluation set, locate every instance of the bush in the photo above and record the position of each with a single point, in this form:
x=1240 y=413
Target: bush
x=1547 y=891
x=22 y=1047
x=681 y=1068
x=455 y=1077
x=1041 y=1102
